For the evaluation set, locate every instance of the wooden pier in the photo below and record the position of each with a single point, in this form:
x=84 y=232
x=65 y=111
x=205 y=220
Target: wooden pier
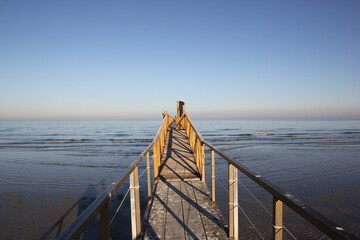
x=181 y=207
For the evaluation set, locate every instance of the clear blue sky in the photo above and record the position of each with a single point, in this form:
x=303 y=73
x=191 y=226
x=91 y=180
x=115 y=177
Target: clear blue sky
x=134 y=59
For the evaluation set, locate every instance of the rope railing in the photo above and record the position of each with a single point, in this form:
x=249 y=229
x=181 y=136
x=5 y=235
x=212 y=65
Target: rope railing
x=101 y=205
x=280 y=197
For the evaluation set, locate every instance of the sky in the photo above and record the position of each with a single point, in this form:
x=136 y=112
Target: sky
x=110 y=60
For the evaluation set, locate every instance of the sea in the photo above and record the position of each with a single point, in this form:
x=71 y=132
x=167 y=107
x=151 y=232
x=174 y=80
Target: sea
x=50 y=171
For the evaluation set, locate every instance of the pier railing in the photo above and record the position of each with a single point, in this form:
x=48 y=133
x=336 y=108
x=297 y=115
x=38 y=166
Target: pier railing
x=196 y=143
x=101 y=205
x=280 y=197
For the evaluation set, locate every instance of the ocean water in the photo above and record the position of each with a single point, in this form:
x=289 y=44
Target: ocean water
x=51 y=171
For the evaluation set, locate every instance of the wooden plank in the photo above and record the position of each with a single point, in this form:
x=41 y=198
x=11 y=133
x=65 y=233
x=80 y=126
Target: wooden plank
x=181 y=207
x=179 y=163
x=194 y=227
x=183 y=210
x=174 y=214
x=156 y=222
x=209 y=212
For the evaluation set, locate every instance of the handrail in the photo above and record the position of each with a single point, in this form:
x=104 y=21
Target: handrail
x=280 y=196
x=196 y=143
x=100 y=205
x=312 y=216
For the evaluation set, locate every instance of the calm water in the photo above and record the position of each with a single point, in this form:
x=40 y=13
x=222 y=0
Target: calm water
x=51 y=171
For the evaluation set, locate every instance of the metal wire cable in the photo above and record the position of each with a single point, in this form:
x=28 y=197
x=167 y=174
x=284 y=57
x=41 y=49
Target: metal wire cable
x=241 y=209
x=221 y=184
x=289 y=233
x=264 y=207
x=117 y=210
x=126 y=194
x=250 y=221
x=122 y=202
x=254 y=197
x=143 y=172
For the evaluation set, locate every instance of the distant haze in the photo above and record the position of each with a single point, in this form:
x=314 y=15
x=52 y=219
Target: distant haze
x=92 y=60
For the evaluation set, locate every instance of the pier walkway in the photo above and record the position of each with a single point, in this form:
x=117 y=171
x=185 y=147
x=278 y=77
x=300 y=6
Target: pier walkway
x=181 y=207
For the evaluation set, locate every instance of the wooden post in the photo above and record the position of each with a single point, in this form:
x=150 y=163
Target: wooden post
x=213 y=187
x=148 y=173
x=191 y=140
x=198 y=149
x=156 y=158
x=135 y=203
x=180 y=110
x=233 y=203
x=196 y=153
x=203 y=161
x=277 y=219
x=161 y=140
x=159 y=152
x=187 y=127
x=105 y=224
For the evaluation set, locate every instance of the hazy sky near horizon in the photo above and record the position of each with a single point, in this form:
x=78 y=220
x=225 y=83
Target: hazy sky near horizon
x=133 y=59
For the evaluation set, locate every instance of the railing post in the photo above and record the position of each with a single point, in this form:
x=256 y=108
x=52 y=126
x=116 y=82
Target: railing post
x=135 y=203
x=105 y=224
x=156 y=158
x=188 y=126
x=191 y=139
x=203 y=161
x=233 y=202
x=199 y=155
x=196 y=153
x=213 y=187
x=148 y=173
x=161 y=142
x=277 y=219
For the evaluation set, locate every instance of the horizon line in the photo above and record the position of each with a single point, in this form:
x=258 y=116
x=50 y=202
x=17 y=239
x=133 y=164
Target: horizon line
x=195 y=118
